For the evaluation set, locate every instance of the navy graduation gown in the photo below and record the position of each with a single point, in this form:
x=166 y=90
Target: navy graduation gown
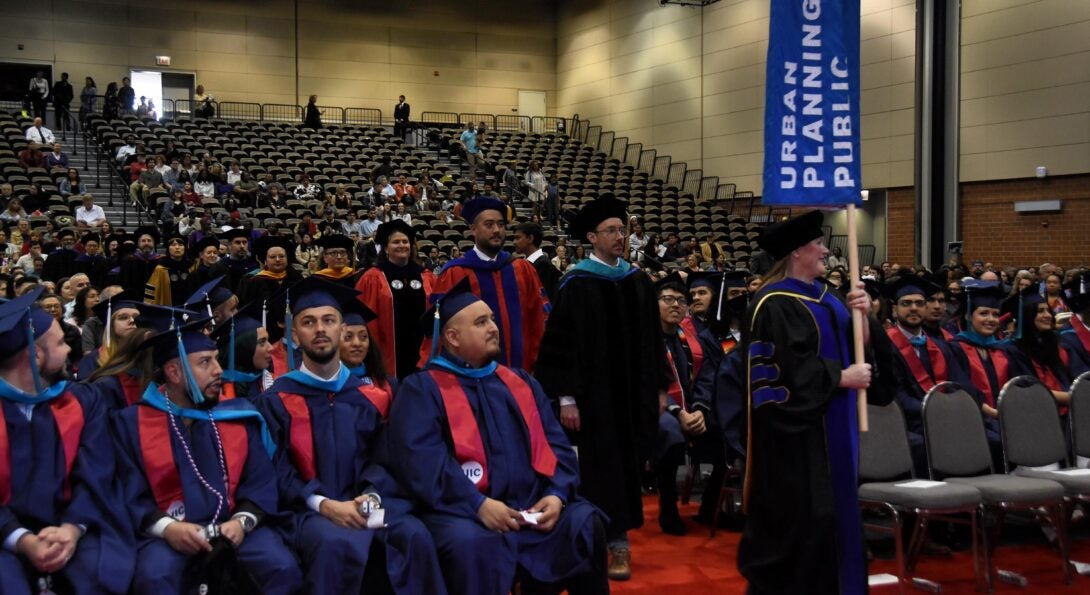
x=345 y=445
x=803 y=532
x=1076 y=341
x=263 y=553
x=43 y=494
x=476 y=560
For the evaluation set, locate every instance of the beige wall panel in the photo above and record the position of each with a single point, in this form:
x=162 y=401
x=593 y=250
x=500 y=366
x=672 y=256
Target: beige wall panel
x=680 y=131
x=675 y=71
x=1052 y=101
x=734 y=122
x=901 y=173
x=1060 y=160
x=875 y=25
x=1042 y=132
x=875 y=126
x=677 y=111
x=687 y=151
x=626 y=82
x=514 y=63
x=973 y=166
x=750 y=98
x=874 y=75
x=974 y=140
x=743 y=143
x=971 y=8
x=730 y=14
x=731 y=80
x=901 y=148
x=677 y=91
x=902 y=122
x=1036 y=74
x=875 y=150
x=1017 y=20
x=879 y=49
x=1034 y=45
x=877 y=175
x=637 y=119
x=583 y=57
x=869 y=7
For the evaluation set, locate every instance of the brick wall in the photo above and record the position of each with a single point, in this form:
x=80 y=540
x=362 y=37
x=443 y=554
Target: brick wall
x=994 y=232
x=901 y=225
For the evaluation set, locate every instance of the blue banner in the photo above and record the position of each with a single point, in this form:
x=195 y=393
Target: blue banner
x=812 y=104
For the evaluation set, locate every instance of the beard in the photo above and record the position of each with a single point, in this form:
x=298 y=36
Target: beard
x=322 y=357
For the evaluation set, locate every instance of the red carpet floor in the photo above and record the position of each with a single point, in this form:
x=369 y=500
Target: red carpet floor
x=700 y=565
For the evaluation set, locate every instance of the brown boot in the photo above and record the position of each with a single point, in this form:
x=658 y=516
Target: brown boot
x=620 y=564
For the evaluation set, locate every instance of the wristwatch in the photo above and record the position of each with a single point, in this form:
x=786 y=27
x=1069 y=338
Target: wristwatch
x=248 y=522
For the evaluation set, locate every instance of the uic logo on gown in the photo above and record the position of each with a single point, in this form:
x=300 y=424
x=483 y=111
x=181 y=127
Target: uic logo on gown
x=397 y=284
x=474 y=471
x=176 y=510
x=415 y=284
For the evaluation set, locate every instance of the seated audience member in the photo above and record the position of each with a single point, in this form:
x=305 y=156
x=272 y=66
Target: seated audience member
x=1075 y=333
x=1035 y=347
x=203 y=500
x=31 y=157
x=61 y=519
x=330 y=424
x=56 y=158
x=981 y=354
x=500 y=495
x=922 y=361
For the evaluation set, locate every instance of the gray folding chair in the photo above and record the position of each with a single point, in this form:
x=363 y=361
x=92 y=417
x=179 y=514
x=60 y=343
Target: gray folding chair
x=957 y=451
x=885 y=464
x=1033 y=438
x=1078 y=415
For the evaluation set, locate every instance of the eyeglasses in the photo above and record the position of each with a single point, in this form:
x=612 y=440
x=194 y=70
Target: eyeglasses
x=611 y=231
x=673 y=300
x=337 y=253
x=910 y=303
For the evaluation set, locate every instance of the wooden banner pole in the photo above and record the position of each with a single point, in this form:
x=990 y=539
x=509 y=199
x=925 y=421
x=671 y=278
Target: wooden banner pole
x=858 y=319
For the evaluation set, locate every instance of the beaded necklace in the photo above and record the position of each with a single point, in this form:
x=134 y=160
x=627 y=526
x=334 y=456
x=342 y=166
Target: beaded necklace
x=193 y=464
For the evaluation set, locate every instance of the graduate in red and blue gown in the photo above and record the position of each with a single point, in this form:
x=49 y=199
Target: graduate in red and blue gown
x=396 y=289
x=684 y=420
x=330 y=424
x=244 y=354
x=803 y=530
x=198 y=481
x=983 y=355
x=119 y=312
x=922 y=361
x=1075 y=333
x=126 y=372
x=509 y=285
x=1035 y=348
x=476 y=444
x=61 y=519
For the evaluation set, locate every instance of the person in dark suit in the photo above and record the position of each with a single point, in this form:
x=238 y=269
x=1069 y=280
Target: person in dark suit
x=528 y=238
x=401 y=117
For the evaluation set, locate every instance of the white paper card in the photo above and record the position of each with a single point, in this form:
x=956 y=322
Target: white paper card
x=530 y=517
x=1077 y=472
x=921 y=483
x=376 y=519
x=878 y=580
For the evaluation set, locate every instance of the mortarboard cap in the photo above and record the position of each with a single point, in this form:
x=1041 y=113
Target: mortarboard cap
x=480 y=204
x=1077 y=292
x=149 y=230
x=671 y=281
x=205 y=242
x=66 y=233
x=981 y=294
x=211 y=294
x=19 y=318
x=355 y=313
x=898 y=287
x=91 y=237
x=872 y=287
x=781 y=239
x=313 y=292
x=126 y=299
x=709 y=279
x=335 y=240
x=265 y=242
x=176 y=237
x=162 y=318
x=596 y=211
x=232 y=233
x=382 y=235
x=165 y=345
x=446 y=306
x=1023 y=306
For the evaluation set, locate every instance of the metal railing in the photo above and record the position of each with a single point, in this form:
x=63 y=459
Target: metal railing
x=440 y=118
x=510 y=123
x=488 y=119
x=363 y=116
x=234 y=110
x=550 y=125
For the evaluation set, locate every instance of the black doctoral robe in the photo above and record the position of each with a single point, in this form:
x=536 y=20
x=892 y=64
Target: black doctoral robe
x=236 y=270
x=59 y=264
x=603 y=345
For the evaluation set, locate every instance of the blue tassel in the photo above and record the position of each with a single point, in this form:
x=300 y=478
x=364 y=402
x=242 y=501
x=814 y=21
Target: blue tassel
x=194 y=389
x=32 y=351
x=289 y=346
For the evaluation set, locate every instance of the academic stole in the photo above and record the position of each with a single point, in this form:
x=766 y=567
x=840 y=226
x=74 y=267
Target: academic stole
x=468 y=444
x=919 y=372
x=68 y=416
x=153 y=427
x=301 y=436
x=979 y=375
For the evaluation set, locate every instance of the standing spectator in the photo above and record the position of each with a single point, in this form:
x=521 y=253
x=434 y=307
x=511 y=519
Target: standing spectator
x=62 y=102
x=401 y=117
x=313 y=118
x=38 y=92
x=111 y=106
x=88 y=99
x=71 y=185
x=126 y=96
x=57 y=158
x=552 y=201
x=536 y=186
x=473 y=151
x=31 y=157
x=38 y=133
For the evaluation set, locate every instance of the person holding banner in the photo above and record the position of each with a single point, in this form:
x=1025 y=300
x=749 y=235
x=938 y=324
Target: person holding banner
x=803 y=532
